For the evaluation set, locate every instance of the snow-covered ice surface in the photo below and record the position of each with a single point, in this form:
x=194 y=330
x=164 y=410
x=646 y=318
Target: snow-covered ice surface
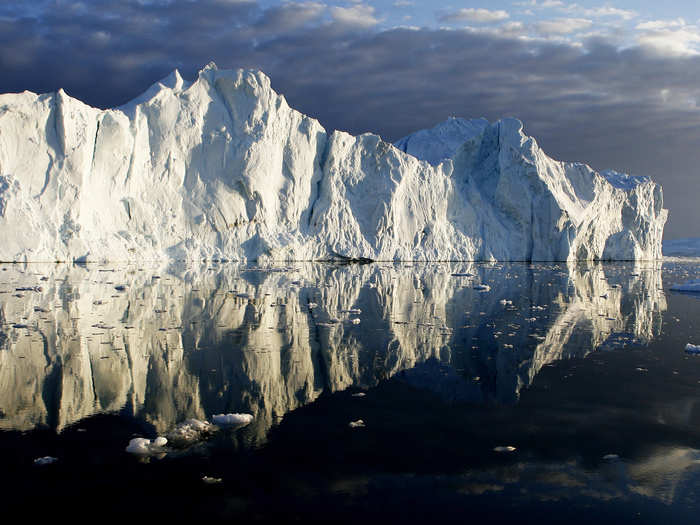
x=223 y=168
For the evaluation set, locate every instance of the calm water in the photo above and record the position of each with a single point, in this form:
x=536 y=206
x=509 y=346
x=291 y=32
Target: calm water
x=580 y=368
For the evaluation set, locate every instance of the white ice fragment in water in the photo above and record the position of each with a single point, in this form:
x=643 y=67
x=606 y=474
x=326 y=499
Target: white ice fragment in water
x=46 y=460
x=190 y=431
x=357 y=424
x=505 y=302
x=610 y=457
x=482 y=287
x=692 y=349
x=312 y=305
x=507 y=448
x=355 y=321
x=210 y=480
x=146 y=447
x=230 y=420
x=359 y=394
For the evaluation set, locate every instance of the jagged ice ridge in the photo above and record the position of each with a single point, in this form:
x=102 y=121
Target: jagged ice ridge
x=222 y=168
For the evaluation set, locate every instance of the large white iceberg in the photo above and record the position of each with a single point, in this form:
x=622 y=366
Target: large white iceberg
x=223 y=168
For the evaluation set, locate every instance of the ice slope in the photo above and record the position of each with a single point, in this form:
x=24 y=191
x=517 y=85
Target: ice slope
x=223 y=168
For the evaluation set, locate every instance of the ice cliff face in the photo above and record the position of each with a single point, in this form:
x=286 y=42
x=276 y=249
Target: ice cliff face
x=223 y=168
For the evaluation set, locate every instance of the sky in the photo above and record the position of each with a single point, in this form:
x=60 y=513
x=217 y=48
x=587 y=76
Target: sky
x=612 y=84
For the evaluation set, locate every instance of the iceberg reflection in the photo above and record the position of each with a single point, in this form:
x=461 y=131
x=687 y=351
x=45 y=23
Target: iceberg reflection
x=188 y=343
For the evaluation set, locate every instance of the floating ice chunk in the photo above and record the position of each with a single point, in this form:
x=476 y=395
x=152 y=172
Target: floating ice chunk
x=359 y=394
x=482 y=287
x=689 y=286
x=692 y=349
x=146 y=447
x=611 y=457
x=46 y=460
x=357 y=424
x=355 y=321
x=505 y=302
x=507 y=448
x=190 y=431
x=211 y=481
x=232 y=420
x=312 y=305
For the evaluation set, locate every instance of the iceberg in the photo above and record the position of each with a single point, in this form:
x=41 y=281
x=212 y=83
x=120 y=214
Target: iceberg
x=222 y=168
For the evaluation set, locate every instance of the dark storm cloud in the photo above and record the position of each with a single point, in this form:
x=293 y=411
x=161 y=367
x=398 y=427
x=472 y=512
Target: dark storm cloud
x=630 y=110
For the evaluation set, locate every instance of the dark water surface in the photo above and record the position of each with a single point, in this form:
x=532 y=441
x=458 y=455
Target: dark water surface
x=580 y=368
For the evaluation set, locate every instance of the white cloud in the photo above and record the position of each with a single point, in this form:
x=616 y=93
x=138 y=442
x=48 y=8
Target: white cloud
x=360 y=15
x=544 y=4
x=478 y=15
x=655 y=25
x=670 y=40
x=562 y=26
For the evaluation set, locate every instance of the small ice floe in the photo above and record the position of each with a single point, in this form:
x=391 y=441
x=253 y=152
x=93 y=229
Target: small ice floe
x=232 y=420
x=211 y=481
x=312 y=305
x=611 y=457
x=355 y=321
x=642 y=369
x=146 y=447
x=481 y=287
x=508 y=448
x=357 y=424
x=190 y=431
x=359 y=394
x=692 y=349
x=689 y=286
x=46 y=460
x=505 y=302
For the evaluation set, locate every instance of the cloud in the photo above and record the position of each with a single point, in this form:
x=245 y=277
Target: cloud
x=562 y=26
x=655 y=25
x=360 y=16
x=629 y=109
x=474 y=15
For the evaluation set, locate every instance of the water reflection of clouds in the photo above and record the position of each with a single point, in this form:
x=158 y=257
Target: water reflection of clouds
x=183 y=342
